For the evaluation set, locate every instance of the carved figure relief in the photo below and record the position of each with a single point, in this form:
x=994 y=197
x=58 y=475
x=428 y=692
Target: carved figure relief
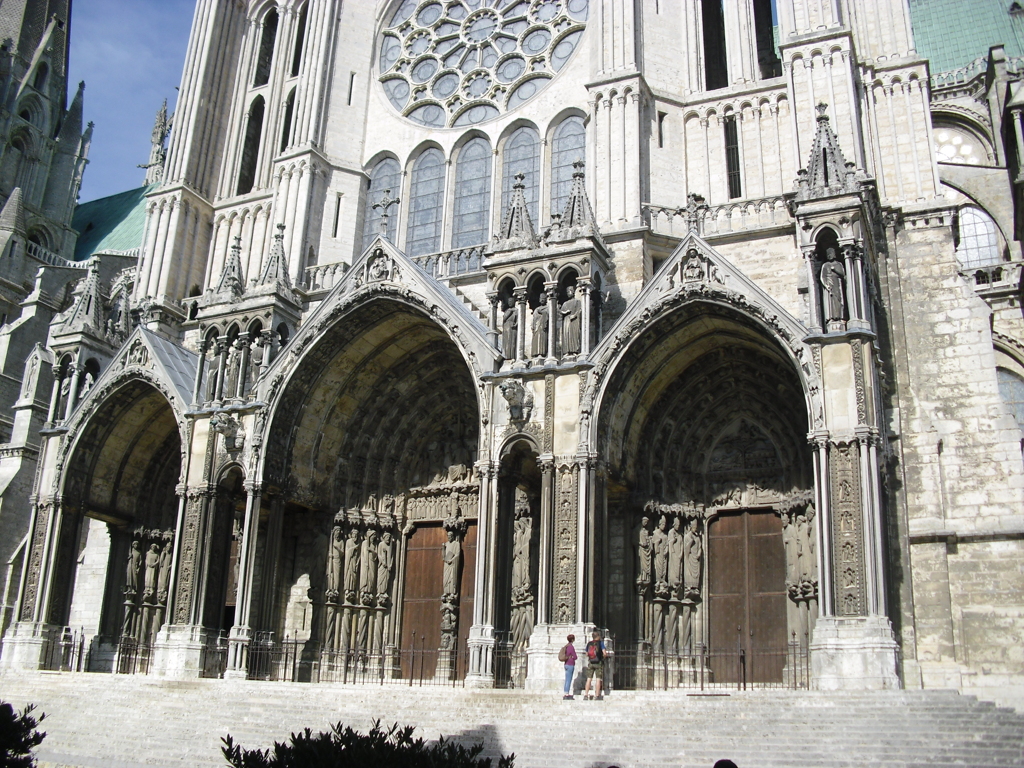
x=352 y=547
x=645 y=553
x=844 y=480
x=519 y=399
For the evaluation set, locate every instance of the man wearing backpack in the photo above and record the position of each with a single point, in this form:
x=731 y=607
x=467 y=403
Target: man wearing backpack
x=567 y=655
x=595 y=666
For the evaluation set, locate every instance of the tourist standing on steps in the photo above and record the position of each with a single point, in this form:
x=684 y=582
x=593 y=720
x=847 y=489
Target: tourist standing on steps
x=595 y=665
x=568 y=657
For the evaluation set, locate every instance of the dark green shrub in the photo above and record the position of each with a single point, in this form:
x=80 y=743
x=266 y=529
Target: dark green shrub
x=343 y=747
x=18 y=736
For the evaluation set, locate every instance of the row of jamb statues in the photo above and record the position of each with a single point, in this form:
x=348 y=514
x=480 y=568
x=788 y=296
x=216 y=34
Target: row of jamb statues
x=360 y=562
x=148 y=567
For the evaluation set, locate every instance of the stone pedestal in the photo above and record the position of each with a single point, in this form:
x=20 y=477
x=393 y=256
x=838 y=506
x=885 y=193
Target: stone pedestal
x=25 y=645
x=238 y=654
x=544 y=671
x=856 y=653
x=179 y=651
x=480 y=645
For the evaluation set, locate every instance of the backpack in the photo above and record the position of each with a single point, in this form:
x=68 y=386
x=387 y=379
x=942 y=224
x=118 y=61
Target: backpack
x=562 y=655
x=595 y=651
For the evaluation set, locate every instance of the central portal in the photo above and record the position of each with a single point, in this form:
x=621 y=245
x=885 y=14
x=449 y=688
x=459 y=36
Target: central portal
x=746 y=595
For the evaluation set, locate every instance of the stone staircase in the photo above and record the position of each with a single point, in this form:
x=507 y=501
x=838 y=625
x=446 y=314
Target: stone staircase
x=114 y=721
x=468 y=303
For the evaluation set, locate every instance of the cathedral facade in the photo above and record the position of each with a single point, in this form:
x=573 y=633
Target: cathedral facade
x=461 y=326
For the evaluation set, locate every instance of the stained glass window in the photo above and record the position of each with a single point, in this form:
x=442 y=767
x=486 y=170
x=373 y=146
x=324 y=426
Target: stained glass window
x=568 y=146
x=386 y=175
x=522 y=155
x=426 y=204
x=472 y=194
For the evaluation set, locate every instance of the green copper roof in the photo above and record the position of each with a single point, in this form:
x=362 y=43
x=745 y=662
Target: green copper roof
x=953 y=33
x=112 y=223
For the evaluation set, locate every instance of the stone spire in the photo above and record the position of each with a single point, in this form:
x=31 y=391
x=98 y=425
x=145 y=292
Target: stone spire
x=516 y=226
x=158 y=152
x=577 y=219
x=12 y=217
x=231 y=280
x=87 y=312
x=827 y=172
x=276 y=268
x=71 y=128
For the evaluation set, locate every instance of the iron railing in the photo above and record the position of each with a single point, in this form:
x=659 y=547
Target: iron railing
x=638 y=666
x=66 y=651
x=213 y=658
x=132 y=657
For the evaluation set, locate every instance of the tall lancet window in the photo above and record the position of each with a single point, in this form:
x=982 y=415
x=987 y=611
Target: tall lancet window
x=568 y=145
x=522 y=155
x=426 y=203
x=286 y=130
x=472 y=194
x=300 y=38
x=386 y=175
x=251 y=147
x=265 y=53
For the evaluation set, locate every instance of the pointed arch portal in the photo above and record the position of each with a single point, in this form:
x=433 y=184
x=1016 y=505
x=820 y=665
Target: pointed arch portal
x=704 y=430
x=373 y=500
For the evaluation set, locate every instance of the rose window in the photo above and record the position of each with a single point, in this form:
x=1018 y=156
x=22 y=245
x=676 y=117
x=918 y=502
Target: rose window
x=462 y=62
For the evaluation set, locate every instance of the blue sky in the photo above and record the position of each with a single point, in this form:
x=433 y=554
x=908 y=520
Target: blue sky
x=130 y=54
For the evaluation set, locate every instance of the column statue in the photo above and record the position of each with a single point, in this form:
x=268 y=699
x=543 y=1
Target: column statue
x=352 y=565
x=675 y=556
x=335 y=563
x=522 y=584
x=540 y=327
x=132 y=574
x=385 y=562
x=368 y=578
x=792 y=547
x=164 y=580
x=660 y=541
x=693 y=553
x=152 y=567
x=452 y=560
x=645 y=550
x=571 y=331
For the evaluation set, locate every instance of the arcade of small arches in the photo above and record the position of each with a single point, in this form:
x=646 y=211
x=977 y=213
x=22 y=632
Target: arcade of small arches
x=453 y=203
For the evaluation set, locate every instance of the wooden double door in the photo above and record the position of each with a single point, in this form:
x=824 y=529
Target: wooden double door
x=747 y=596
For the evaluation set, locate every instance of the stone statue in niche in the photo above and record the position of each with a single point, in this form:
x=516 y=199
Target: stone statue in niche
x=675 y=556
x=352 y=565
x=833 y=282
x=808 y=564
x=693 y=268
x=335 y=563
x=87 y=383
x=539 y=346
x=570 y=333
x=131 y=586
x=152 y=567
x=645 y=551
x=509 y=329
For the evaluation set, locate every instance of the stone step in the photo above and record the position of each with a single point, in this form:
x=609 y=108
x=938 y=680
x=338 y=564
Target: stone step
x=119 y=721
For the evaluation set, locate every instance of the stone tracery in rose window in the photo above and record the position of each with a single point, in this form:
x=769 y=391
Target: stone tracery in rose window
x=462 y=62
